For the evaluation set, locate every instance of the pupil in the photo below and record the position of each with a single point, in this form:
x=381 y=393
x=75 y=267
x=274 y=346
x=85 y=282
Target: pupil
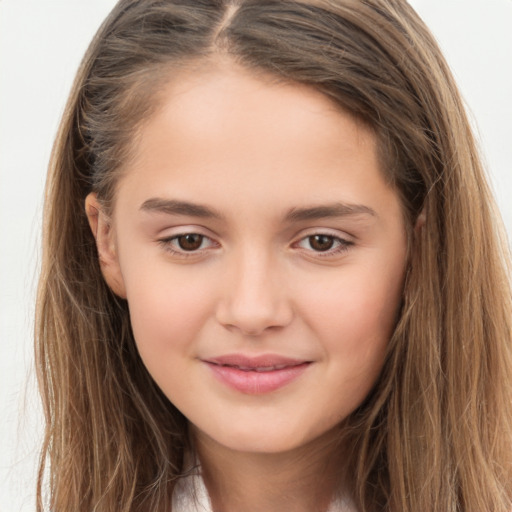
x=190 y=242
x=321 y=242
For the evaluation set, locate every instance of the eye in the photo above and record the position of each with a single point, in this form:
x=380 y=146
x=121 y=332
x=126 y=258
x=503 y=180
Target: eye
x=190 y=241
x=321 y=243
x=186 y=244
x=324 y=243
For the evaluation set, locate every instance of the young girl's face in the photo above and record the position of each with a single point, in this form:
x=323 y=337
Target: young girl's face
x=262 y=255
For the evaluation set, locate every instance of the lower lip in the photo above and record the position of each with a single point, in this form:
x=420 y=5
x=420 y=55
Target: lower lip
x=257 y=383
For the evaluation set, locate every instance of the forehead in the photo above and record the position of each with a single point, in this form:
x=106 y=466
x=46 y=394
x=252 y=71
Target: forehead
x=228 y=136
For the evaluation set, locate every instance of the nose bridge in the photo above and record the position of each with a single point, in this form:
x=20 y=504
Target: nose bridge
x=254 y=297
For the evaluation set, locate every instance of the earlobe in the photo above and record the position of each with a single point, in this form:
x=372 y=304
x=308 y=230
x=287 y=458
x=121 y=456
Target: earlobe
x=102 y=230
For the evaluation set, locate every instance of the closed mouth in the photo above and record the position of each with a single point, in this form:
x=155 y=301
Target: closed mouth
x=272 y=368
x=256 y=375
x=259 y=363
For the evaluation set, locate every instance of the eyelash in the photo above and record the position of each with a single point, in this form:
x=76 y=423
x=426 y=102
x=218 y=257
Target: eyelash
x=341 y=245
x=167 y=244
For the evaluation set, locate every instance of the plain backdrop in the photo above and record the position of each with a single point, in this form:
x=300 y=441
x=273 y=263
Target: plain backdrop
x=41 y=44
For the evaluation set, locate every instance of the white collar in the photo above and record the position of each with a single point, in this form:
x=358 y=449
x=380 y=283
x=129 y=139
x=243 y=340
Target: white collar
x=190 y=494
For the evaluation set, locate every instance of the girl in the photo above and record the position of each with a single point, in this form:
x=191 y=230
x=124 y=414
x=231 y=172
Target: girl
x=272 y=277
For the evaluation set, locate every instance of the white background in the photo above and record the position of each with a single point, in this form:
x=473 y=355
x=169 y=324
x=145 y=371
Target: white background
x=41 y=44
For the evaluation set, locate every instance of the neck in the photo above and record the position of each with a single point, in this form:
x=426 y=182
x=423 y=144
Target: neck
x=302 y=480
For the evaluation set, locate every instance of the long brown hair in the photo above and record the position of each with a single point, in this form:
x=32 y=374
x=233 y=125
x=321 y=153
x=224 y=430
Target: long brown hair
x=436 y=433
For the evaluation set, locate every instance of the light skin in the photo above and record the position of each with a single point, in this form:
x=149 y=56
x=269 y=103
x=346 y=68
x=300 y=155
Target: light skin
x=296 y=249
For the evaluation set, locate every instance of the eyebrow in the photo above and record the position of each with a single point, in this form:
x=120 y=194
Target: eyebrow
x=330 y=210
x=176 y=207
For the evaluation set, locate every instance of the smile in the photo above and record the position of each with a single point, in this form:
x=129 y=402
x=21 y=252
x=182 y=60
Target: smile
x=256 y=376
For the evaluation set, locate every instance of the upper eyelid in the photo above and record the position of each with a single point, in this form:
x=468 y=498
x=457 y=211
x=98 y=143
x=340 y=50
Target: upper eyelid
x=343 y=241
x=175 y=231
x=335 y=233
x=168 y=238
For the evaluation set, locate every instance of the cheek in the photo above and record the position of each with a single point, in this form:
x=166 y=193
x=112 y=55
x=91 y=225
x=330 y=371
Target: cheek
x=354 y=317
x=356 y=306
x=167 y=309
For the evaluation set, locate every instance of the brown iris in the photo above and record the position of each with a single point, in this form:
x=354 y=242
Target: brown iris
x=190 y=242
x=321 y=242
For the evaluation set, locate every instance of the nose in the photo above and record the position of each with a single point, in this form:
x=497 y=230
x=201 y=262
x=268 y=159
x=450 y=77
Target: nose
x=254 y=298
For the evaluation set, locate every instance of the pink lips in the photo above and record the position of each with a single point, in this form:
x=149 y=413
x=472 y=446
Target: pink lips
x=256 y=375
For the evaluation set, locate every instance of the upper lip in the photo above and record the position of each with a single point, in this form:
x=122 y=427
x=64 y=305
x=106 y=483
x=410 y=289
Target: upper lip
x=255 y=362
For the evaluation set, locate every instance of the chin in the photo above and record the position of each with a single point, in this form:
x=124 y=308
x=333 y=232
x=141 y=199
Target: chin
x=264 y=440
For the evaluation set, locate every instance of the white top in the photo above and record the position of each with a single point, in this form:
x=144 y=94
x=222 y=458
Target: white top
x=190 y=495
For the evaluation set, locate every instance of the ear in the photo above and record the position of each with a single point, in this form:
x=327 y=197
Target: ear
x=420 y=221
x=103 y=232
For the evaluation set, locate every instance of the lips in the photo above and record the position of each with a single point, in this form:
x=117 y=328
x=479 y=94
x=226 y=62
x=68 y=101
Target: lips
x=256 y=375
x=257 y=368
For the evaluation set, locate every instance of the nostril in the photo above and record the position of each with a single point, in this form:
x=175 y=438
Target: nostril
x=252 y=322
x=252 y=301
